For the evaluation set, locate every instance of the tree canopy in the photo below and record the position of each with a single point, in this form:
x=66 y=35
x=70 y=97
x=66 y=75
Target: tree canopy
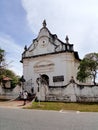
x=9 y=73
x=88 y=67
x=2 y=52
x=6 y=72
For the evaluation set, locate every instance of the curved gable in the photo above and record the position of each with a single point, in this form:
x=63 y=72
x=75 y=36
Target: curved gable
x=47 y=43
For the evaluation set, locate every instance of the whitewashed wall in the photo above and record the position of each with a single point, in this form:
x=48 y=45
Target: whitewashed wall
x=71 y=93
x=51 y=65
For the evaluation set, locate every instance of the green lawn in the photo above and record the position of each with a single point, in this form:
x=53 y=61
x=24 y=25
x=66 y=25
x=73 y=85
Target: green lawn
x=83 y=107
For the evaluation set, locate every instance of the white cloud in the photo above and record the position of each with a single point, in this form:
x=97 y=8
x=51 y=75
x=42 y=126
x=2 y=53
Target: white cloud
x=13 y=53
x=75 y=18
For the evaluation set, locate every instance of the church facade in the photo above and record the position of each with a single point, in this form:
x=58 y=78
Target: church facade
x=50 y=69
x=52 y=59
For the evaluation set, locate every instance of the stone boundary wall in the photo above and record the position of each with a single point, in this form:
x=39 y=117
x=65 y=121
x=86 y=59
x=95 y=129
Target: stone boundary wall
x=71 y=92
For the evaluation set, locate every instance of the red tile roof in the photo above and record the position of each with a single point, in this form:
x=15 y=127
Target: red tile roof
x=7 y=79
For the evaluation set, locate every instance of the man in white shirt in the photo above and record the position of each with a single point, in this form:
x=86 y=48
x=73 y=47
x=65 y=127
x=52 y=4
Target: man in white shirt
x=25 y=96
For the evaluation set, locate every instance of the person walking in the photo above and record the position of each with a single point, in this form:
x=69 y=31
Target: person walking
x=25 y=96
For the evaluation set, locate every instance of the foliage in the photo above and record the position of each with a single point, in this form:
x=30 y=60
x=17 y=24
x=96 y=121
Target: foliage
x=6 y=72
x=1 y=57
x=88 y=67
x=10 y=74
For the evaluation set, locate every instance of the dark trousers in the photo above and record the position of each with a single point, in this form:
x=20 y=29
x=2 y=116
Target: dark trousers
x=24 y=101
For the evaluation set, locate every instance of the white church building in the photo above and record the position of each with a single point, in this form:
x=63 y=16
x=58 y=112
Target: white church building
x=48 y=56
x=52 y=60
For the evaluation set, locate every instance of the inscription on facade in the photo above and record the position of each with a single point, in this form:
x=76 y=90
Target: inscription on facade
x=58 y=78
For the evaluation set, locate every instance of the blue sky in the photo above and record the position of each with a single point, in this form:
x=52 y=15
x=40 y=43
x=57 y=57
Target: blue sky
x=21 y=20
x=14 y=32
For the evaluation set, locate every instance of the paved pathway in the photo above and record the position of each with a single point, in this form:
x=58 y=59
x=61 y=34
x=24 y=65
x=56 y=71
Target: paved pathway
x=13 y=104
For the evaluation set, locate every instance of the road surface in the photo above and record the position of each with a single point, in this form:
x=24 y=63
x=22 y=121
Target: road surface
x=21 y=119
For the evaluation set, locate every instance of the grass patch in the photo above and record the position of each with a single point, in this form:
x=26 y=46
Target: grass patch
x=83 y=107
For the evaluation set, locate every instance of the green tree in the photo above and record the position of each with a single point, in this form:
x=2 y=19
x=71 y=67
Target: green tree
x=2 y=59
x=13 y=76
x=88 y=67
x=6 y=72
x=2 y=52
x=10 y=74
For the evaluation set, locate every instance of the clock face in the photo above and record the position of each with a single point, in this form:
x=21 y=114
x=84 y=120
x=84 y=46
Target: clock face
x=43 y=43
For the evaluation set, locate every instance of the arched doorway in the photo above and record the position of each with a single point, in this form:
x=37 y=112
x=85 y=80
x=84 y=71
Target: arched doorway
x=45 y=79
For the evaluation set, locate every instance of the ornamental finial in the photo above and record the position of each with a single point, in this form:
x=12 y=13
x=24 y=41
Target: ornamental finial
x=67 y=39
x=44 y=23
x=25 y=48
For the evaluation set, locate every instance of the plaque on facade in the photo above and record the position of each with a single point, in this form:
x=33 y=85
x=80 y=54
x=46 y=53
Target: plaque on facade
x=58 y=78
